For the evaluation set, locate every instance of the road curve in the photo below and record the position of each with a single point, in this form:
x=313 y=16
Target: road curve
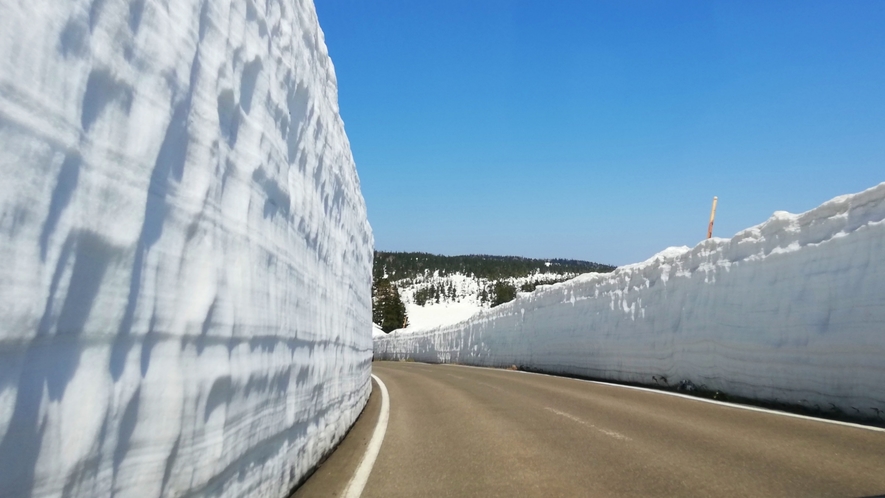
x=461 y=431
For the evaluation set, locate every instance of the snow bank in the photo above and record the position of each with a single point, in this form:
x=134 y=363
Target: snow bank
x=377 y=332
x=791 y=310
x=184 y=252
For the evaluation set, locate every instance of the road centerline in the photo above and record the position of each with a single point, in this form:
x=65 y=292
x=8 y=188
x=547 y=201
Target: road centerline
x=614 y=434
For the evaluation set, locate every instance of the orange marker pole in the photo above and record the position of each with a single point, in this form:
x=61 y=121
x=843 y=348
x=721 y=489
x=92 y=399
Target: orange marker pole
x=712 y=217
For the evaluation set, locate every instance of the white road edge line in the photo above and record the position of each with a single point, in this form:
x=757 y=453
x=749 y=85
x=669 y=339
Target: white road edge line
x=693 y=398
x=361 y=476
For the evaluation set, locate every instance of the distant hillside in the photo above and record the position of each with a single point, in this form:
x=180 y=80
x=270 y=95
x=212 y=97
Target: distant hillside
x=416 y=289
x=409 y=265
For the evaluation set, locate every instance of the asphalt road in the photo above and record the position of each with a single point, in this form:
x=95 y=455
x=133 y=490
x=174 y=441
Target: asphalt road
x=462 y=432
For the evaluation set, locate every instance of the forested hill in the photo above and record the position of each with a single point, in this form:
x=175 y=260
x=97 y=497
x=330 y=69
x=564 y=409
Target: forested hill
x=408 y=265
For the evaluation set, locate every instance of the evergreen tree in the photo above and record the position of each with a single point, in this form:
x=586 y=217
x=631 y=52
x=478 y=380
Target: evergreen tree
x=422 y=295
x=503 y=292
x=388 y=309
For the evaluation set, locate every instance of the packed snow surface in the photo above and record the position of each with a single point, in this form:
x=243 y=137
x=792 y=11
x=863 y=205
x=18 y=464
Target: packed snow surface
x=435 y=315
x=789 y=311
x=184 y=252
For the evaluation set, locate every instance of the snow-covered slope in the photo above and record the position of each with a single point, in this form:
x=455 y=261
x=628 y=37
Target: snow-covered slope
x=433 y=315
x=184 y=252
x=792 y=310
x=460 y=296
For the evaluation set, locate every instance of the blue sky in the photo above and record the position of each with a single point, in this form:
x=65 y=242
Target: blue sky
x=601 y=130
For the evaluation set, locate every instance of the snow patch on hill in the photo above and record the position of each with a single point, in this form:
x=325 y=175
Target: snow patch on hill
x=435 y=315
x=461 y=296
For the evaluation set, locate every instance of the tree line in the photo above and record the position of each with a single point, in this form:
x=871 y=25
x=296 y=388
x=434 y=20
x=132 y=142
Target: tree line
x=402 y=265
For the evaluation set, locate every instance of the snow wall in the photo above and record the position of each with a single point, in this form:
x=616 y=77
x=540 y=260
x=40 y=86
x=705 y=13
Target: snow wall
x=185 y=260
x=792 y=310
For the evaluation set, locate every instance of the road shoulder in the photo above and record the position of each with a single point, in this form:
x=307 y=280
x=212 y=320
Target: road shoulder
x=333 y=474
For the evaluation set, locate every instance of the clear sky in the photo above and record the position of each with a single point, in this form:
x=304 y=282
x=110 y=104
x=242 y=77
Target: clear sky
x=601 y=130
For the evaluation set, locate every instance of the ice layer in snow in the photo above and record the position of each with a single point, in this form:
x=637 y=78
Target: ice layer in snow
x=185 y=260
x=792 y=310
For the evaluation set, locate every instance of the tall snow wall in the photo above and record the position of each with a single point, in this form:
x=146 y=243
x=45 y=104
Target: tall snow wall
x=185 y=259
x=792 y=311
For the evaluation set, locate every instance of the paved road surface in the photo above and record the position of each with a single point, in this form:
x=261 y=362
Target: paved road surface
x=460 y=431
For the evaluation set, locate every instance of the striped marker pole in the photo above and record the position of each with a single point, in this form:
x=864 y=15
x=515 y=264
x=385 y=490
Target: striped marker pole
x=712 y=217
